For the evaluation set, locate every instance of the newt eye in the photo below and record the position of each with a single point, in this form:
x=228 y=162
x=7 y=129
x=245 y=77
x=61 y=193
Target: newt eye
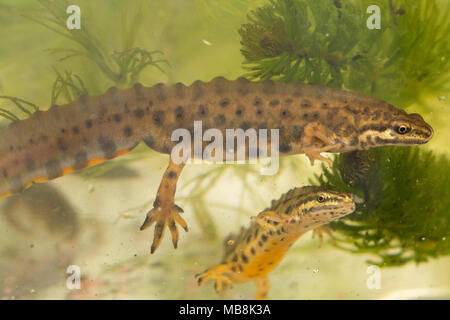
x=321 y=198
x=402 y=128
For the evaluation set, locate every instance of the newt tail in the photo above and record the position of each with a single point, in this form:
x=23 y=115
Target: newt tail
x=258 y=249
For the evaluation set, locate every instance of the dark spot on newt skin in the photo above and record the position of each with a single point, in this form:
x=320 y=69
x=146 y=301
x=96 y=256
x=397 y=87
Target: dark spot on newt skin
x=11 y=148
x=249 y=238
x=172 y=174
x=245 y=125
x=220 y=85
x=239 y=111
x=234 y=269
x=260 y=243
x=219 y=119
x=150 y=142
x=158 y=117
x=244 y=258
x=305 y=115
x=75 y=130
x=284 y=113
x=179 y=90
x=315 y=115
x=197 y=91
x=297 y=132
x=5 y=173
x=257 y=102
x=88 y=124
x=285 y=147
x=107 y=146
x=256 y=233
x=235 y=258
x=202 y=110
x=179 y=113
x=53 y=169
x=259 y=112
x=252 y=251
x=30 y=141
x=139 y=113
x=80 y=159
x=274 y=103
x=243 y=86
x=127 y=131
x=288 y=101
x=224 y=102
x=117 y=118
x=61 y=144
x=264 y=237
x=240 y=267
x=160 y=90
x=138 y=89
x=306 y=104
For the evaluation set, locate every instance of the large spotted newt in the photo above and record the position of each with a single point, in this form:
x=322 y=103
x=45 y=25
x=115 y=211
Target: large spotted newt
x=93 y=129
x=258 y=249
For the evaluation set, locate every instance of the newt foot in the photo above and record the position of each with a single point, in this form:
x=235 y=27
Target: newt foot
x=320 y=231
x=222 y=281
x=164 y=217
x=314 y=155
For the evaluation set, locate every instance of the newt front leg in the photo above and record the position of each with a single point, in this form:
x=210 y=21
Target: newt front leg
x=165 y=212
x=317 y=138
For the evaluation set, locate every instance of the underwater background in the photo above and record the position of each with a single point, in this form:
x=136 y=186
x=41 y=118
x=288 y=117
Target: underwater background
x=91 y=218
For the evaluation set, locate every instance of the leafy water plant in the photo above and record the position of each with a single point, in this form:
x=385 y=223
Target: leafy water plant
x=327 y=42
x=405 y=214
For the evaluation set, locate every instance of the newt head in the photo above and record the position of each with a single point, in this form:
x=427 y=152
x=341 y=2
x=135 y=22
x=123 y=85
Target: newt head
x=323 y=205
x=410 y=129
x=402 y=129
x=307 y=208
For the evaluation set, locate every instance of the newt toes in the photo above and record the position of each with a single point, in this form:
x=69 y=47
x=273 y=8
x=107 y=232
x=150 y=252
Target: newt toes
x=310 y=119
x=164 y=217
x=258 y=249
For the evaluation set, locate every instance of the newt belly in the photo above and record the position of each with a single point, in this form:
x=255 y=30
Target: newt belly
x=257 y=250
x=310 y=119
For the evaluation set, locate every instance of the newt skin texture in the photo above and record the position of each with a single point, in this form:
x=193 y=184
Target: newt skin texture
x=258 y=249
x=310 y=119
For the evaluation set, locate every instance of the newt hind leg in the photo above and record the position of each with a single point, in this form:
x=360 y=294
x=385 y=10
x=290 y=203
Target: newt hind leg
x=165 y=212
x=217 y=273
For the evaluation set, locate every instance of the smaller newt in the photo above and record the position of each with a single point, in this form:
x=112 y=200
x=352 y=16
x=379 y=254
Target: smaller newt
x=257 y=250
